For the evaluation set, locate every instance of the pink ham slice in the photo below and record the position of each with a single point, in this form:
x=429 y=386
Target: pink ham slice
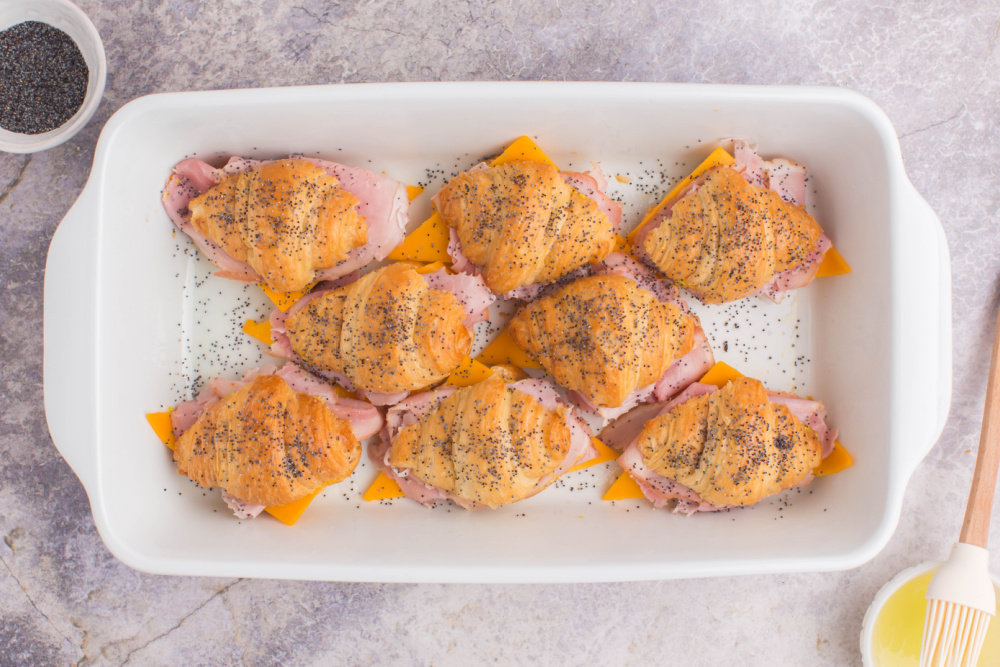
x=241 y=508
x=812 y=414
x=411 y=410
x=788 y=180
x=591 y=184
x=623 y=434
x=383 y=202
x=365 y=419
x=661 y=490
x=799 y=276
x=470 y=291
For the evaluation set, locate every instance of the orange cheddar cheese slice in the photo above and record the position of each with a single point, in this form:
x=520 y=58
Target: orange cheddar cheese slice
x=430 y=268
x=624 y=488
x=604 y=454
x=259 y=330
x=832 y=265
x=413 y=191
x=523 y=148
x=503 y=350
x=468 y=373
x=162 y=426
x=383 y=488
x=426 y=243
x=289 y=513
x=838 y=460
x=284 y=300
x=719 y=375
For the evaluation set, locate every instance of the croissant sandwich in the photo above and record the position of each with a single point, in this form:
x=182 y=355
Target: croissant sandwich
x=270 y=439
x=615 y=338
x=712 y=449
x=486 y=445
x=736 y=231
x=390 y=332
x=287 y=223
x=525 y=222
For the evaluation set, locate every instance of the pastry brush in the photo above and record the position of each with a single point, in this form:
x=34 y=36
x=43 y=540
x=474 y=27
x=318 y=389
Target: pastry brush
x=960 y=598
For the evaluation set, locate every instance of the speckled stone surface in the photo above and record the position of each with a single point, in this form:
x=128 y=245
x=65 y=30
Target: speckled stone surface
x=64 y=599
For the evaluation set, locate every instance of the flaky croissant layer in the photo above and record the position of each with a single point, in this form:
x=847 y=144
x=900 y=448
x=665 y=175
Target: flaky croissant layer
x=267 y=444
x=728 y=239
x=488 y=444
x=732 y=447
x=523 y=223
x=387 y=332
x=604 y=336
x=286 y=219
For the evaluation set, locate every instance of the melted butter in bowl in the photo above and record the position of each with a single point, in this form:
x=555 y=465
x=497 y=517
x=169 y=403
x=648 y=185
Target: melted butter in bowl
x=894 y=625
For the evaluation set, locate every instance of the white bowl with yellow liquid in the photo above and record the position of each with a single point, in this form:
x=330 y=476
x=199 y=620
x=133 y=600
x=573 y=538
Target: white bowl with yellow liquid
x=894 y=623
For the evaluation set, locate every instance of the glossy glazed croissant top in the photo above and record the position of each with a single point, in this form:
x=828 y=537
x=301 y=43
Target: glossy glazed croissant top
x=388 y=332
x=522 y=223
x=286 y=219
x=604 y=336
x=488 y=443
x=728 y=238
x=732 y=446
x=267 y=444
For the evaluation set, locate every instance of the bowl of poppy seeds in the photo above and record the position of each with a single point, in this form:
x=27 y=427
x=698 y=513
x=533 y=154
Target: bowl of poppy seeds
x=52 y=73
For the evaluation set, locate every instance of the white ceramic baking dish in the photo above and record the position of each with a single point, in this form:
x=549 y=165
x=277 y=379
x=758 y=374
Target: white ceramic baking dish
x=131 y=320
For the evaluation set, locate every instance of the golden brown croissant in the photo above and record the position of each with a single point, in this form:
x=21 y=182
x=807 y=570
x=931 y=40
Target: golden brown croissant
x=732 y=447
x=524 y=224
x=388 y=332
x=604 y=336
x=267 y=444
x=488 y=444
x=728 y=238
x=286 y=219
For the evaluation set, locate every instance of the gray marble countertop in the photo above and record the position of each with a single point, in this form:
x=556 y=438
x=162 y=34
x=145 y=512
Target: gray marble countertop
x=932 y=66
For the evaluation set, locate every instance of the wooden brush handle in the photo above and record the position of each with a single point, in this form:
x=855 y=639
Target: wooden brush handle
x=976 y=527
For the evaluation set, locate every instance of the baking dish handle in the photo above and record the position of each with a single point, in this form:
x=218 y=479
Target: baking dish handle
x=922 y=320
x=70 y=338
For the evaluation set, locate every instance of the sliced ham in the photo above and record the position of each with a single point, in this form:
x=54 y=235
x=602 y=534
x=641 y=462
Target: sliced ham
x=470 y=290
x=581 y=447
x=241 y=508
x=661 y=490
x=788 y=179
x=459 y=262
x=383 y=202
x=376 y=398
x=365 y=418
x=799 y=276
x=812 y=414
x=592 y=185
